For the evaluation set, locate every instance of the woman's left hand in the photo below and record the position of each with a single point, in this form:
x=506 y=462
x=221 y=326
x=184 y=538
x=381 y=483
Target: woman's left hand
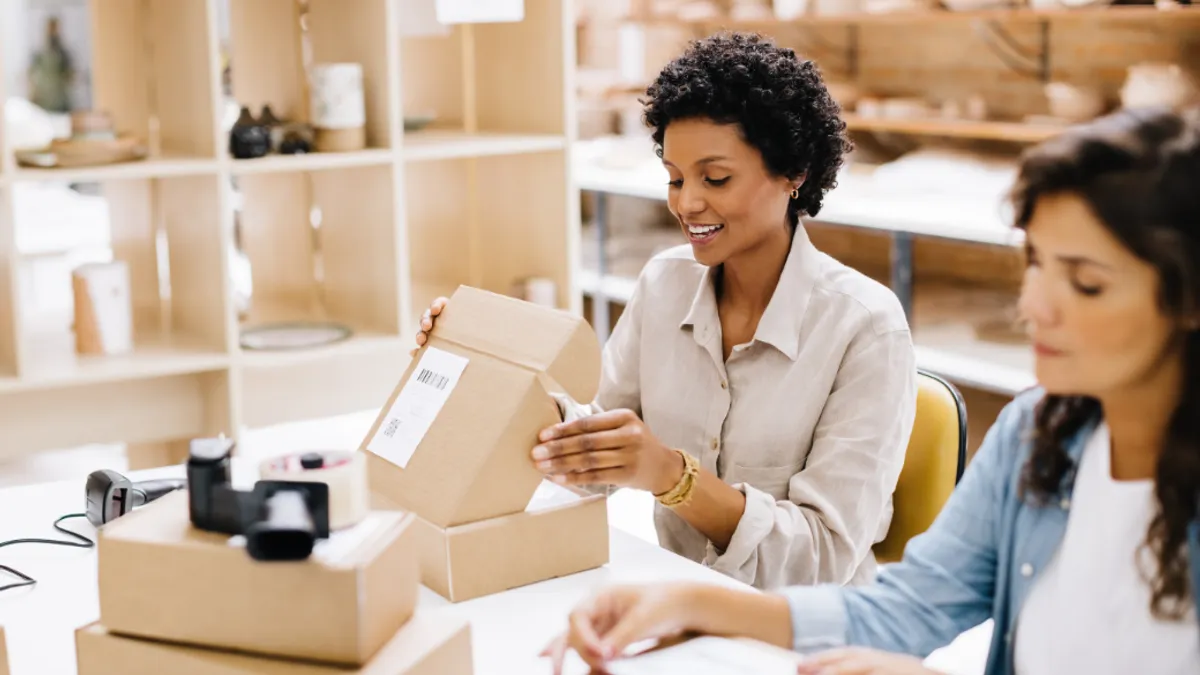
x=610 y=448
x=857 y=661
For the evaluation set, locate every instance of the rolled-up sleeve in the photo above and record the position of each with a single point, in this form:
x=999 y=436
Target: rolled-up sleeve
x=840 y=501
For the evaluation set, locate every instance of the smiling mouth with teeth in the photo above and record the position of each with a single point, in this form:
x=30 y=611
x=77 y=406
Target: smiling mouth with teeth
x=698 y=233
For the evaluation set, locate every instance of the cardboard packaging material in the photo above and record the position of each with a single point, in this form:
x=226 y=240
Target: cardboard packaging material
x=161 y=578
x=431 y=643
x=452 y=446
x=562 y=532
x=3 y=653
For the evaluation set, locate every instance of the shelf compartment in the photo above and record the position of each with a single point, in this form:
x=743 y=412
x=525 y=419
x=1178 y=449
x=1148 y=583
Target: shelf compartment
x=145 y=410
x=490 y=223
x=352 y=376
x=437 y=144
x=344 y=270
x=267 y=67
x=481 y=77
x=948 y=128
x=168 y=232
x=154 y=71
x=315 y=161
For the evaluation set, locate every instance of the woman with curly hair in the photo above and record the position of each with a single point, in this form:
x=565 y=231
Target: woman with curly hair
x=1076 y=528
x=761 y=390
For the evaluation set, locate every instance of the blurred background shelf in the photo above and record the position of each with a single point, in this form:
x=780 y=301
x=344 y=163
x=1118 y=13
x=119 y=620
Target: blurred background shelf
x=949 y=128
x=450 y=144
x=313 y=161
x=216 y=245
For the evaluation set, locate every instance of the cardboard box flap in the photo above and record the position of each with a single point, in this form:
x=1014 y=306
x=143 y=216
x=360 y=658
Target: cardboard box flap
x=557 y=343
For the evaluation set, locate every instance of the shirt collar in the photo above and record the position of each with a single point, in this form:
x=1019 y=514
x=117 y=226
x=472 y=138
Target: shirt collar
x=780 y=323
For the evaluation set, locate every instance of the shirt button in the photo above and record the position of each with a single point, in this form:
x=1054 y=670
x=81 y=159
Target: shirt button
x=724 y=384
x=1026 y=570
x=1065 y=503
x=714 y=444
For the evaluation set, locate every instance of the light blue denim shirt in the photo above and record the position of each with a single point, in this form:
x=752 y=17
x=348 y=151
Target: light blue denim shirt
x=977 y=561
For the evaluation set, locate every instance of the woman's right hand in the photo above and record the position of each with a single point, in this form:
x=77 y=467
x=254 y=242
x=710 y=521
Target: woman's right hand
x=604 y=625
x=427 y=319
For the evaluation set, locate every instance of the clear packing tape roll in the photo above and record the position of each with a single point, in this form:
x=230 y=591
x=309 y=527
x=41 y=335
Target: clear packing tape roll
x=344 y=472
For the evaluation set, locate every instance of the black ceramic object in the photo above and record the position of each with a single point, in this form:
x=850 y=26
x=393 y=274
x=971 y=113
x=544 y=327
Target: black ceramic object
x=249 y=138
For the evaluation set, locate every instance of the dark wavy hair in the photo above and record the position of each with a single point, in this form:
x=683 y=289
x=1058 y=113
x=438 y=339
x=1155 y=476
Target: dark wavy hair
x=777 y=100
x=1139 y=171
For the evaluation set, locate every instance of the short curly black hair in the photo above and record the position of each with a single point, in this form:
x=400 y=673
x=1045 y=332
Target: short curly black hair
x=777 y=99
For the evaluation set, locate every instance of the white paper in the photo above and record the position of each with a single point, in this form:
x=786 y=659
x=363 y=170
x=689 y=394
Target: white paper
x=548 y=494
x=707 y=656
x=418 y=18
x=480 y=11
x=419 y=402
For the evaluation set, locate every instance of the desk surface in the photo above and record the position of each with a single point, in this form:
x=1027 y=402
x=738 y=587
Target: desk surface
x=40 y=621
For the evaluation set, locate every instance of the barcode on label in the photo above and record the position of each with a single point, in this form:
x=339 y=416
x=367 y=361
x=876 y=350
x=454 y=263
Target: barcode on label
x=433 y=379
x=392 y=425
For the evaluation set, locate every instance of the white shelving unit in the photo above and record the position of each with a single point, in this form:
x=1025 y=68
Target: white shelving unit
x=483 y=196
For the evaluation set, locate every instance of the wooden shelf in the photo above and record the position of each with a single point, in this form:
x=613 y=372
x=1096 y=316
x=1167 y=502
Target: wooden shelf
x=1111 y=13
x=447 y=144
x=316 y=161
x=337 y=235
x=162 y=167
x=980 y=130
x=50 y=367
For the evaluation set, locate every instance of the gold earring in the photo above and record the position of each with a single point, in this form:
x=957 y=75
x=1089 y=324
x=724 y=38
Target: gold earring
x=795 y=193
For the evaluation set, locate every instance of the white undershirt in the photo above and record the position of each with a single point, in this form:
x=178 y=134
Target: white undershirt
x=1089 y=611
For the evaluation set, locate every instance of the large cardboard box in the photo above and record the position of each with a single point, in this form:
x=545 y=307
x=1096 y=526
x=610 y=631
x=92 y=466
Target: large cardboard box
x=162 y=578
x=430 y=644
x=452 y=445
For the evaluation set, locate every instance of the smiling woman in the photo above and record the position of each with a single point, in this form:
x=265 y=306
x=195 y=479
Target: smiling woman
x=761 y=390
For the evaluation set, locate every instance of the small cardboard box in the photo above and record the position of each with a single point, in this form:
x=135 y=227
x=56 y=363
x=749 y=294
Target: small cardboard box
x=452 y=443
x=429 y=644
x=161 y=578
x=561 y=533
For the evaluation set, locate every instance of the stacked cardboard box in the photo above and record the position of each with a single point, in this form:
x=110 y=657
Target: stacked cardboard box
x=176 y=599
x=452 y=445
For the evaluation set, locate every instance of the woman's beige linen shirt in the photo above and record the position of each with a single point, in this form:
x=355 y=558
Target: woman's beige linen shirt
x=810 y=419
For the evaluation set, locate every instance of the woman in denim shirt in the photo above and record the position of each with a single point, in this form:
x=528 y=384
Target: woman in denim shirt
x=1077 y=525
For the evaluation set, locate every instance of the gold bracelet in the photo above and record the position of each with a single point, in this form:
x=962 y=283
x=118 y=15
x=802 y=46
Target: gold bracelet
x=682 y=492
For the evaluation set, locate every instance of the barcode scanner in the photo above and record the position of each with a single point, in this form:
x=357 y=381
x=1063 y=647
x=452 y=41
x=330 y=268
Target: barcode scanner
x=111 y=495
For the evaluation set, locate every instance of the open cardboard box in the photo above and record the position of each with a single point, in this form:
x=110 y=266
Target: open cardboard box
x=561 y=532
x=431 y=643
x=452 y=446
x=161 y=578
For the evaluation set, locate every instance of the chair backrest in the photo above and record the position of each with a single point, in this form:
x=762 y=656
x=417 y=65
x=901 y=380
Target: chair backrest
x=933 y=463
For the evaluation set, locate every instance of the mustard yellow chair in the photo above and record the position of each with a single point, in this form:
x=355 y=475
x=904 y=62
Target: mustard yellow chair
x=933 y=464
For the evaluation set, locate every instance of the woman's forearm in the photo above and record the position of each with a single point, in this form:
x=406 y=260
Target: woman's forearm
x=734 y=613
x=714 y=510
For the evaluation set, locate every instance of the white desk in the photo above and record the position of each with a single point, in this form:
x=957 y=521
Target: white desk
x=509 y=629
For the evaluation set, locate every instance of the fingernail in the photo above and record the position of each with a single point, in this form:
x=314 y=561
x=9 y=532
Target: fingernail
x=547 y=434
x=540 y=452
x=545 y=466
x=559 y=478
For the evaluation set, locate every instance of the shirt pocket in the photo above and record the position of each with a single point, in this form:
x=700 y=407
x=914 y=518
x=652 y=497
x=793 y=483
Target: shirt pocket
x=772 y=480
